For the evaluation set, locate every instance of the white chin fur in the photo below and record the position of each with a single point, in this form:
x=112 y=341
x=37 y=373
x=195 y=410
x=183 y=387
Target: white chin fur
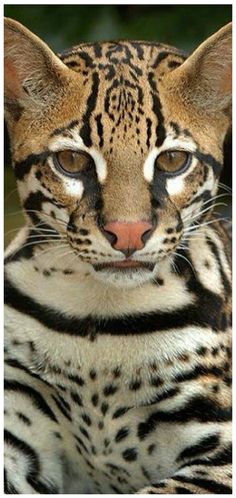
x=124 y=279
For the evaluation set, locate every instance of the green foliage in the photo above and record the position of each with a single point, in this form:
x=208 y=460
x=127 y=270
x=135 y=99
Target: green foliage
x=64 y=25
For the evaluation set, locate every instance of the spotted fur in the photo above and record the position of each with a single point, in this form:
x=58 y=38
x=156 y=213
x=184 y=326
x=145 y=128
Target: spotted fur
x=117 y=381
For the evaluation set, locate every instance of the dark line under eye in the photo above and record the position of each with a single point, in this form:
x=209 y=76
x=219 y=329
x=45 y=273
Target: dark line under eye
x=181 y=170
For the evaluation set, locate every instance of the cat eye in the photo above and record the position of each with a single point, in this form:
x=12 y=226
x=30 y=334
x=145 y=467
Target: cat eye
x=71 y=162
x=172 y=161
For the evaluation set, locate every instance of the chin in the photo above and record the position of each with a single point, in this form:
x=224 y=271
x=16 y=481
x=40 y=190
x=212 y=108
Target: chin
x=124 y=278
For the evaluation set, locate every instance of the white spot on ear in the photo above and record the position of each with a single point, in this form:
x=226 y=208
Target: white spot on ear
x=148 y=169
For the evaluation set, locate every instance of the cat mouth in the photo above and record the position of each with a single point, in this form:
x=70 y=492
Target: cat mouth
x=124 y=265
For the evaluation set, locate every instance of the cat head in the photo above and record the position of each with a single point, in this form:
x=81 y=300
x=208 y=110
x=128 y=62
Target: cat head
x=117 y=146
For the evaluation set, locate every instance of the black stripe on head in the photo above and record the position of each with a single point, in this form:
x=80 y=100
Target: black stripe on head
x=64 y=129
x=100 y=129
x=160 y=57
x=85 y=131
x=22 y=168
x=149 y=131
x=156 y=107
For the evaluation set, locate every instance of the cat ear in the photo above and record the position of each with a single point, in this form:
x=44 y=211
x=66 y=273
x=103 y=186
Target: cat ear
x=205 y=78
x=33 y=73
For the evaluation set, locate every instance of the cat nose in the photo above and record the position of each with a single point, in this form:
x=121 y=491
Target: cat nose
x=128 y=237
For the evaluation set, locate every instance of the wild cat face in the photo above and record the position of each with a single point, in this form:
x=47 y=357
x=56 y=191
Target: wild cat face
x=117 y=146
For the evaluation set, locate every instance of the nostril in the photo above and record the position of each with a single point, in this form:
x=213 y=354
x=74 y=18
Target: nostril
x=111 y=237
x=146 y=235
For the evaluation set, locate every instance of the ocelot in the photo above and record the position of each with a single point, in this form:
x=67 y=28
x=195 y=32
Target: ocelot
x=118 y=287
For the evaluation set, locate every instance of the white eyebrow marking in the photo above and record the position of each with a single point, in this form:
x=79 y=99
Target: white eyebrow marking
x=148 y=169
x=100 y=163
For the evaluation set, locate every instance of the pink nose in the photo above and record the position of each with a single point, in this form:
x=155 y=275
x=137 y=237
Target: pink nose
x=128 y=237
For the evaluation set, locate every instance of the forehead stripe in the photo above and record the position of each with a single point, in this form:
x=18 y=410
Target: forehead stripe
x=85 y=131
x=156 y=107
x=100 y=129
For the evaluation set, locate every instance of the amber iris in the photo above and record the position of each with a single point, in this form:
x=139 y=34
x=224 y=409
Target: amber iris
x=172 y=161
x=71 y=162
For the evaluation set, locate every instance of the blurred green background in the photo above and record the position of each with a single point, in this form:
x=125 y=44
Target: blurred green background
x=62 y=26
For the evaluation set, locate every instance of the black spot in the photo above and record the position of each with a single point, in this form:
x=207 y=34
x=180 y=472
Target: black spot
x=77 y=379
x=93 y=374
x=130 y=454
x=121 y=411
x=159 y=281
x=68 y=272
x=76 y=398
x=135 y=385
x=104 y=408
x=116 y=372
x=109 y=390
x=86 y=419
x=83 y=231
x=95 y=399
x=46 y=273
x=151 y=449
x=121 y=434
x=84 y=432
x=156 y=382
x=24 y=418
x=106 y=442
x=202 y=351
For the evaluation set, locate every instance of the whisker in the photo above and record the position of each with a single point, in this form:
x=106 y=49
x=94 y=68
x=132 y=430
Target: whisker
x=186 y=259
x=197 y=215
